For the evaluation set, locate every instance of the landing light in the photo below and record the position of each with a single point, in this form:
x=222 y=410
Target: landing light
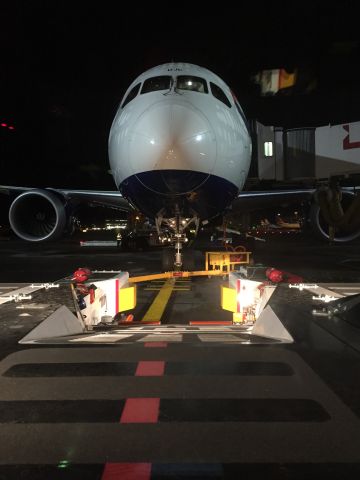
x=198 y=138
x=152 y=142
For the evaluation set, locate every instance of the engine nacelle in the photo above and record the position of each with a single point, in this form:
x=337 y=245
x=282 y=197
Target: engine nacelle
x=320 y=227
x=38 y=215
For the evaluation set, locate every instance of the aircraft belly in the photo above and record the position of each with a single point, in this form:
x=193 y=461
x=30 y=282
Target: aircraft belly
x=203 y=193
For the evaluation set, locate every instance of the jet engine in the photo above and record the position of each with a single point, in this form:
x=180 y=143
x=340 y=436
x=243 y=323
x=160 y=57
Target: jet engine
x=38 y=215
x=335 y=215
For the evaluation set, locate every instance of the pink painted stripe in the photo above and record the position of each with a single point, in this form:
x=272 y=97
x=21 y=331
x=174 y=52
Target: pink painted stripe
x=155 y=344
x=150 y=369
x=127 y=471
x=140 y=410
x=117 y=306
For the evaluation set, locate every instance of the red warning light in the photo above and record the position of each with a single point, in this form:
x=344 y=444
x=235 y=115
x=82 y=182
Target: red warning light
x=177 y=274
x=4 y=124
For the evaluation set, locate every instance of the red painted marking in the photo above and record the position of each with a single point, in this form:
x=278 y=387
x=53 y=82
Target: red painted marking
x=92 y=295
x=155 y=344
x=150 y=323
x=141 y=410
x=127 y=471
x=137 y=410
x=150 y=369
x=211 y=322
x=238 y=286
x=117 y=306
x=347 y=145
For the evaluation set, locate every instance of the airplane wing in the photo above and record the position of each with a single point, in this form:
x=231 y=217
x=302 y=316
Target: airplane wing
x=255 y=200
x=112 y=199
x=106 y=198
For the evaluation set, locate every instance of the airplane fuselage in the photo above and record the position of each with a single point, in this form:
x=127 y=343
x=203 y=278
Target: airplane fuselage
x=179 y=140
x=179 y=151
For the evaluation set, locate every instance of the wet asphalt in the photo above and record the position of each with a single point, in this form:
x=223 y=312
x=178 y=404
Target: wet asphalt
x=188 y=409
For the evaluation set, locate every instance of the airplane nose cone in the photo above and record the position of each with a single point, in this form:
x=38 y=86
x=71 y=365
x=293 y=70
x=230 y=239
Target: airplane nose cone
x=176 y=143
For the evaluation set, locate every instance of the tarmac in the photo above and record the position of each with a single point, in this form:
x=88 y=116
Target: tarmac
x=175 y=401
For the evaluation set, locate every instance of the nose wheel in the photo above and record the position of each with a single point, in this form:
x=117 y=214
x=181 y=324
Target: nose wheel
x=187 y=260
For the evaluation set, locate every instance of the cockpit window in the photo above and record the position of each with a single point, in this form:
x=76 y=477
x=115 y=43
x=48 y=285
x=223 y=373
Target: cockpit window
x=131 y=95
x=196 y=84
x=156 y=83
x=219 y=94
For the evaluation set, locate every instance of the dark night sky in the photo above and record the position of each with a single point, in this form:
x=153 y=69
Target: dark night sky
x=64 y=67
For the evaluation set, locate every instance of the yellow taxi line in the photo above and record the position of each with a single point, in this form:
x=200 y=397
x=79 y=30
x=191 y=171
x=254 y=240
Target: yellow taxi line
x=158 y=306
x=176 y=289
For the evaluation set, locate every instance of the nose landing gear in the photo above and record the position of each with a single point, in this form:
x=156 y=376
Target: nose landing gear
x=177 y=226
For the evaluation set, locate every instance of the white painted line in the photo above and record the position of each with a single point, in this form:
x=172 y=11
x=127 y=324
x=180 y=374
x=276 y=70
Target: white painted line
x=220 y=338
x=163 y=338
x=103 y=338
x=30 y=288
x=347 y=287
x=20 y=291
x=161 y=330
x=324 y=291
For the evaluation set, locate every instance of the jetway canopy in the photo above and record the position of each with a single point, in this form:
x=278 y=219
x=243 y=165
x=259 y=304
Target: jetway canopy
x=310 y=153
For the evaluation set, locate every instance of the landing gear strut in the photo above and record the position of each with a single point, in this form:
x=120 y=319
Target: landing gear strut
x=177 y=226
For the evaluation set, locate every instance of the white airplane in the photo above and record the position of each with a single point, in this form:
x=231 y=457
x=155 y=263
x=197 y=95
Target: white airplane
x=179 y=151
